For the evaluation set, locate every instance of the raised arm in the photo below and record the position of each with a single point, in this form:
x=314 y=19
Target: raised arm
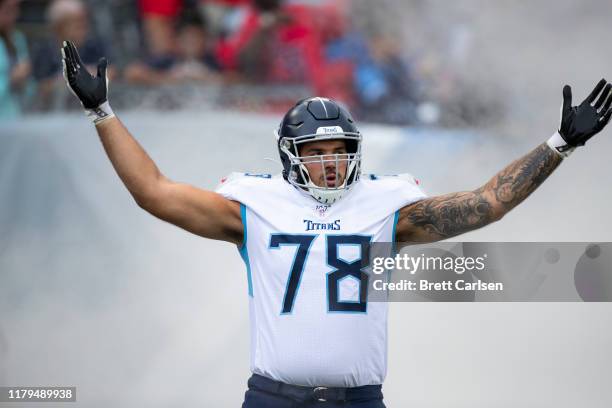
x=449 y=215
x=201 y=212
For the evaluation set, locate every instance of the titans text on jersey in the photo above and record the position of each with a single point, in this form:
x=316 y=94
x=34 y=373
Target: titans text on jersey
x=330 y=226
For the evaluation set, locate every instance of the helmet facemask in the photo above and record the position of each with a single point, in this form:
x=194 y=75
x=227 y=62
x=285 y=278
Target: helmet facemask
x=299 y=176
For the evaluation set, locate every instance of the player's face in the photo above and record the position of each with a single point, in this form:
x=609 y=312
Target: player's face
x=332 y=172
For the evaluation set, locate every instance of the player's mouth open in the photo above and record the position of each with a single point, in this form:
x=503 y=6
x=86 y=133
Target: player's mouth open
x=331 y=180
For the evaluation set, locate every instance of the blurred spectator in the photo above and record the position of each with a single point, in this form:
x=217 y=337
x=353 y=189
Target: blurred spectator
x=158 y=26
x=14 y=60
x=223 y=15
x=381 y=79
x=191 y=59
x=388 y=82
x=159 y=19
x=277 y=43
x=68 y=20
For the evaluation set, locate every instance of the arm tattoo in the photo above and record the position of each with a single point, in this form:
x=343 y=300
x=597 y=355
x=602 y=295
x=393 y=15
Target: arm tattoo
x=456 y=213
x=517 y=181
x=450 y=214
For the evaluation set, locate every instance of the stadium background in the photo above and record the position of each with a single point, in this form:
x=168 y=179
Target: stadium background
x=96 y=293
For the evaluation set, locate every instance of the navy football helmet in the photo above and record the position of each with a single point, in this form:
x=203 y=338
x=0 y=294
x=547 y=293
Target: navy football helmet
x=316 y=119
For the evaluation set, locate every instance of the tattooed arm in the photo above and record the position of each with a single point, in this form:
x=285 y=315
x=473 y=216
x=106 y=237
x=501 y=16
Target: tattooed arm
x=448 y=215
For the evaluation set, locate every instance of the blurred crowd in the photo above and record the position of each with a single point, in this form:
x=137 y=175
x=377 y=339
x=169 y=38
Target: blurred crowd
x=273 y=51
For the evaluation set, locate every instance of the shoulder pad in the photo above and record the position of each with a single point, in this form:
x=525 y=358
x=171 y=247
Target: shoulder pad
x=234 y=176
x=404 y=177
x=260 y=175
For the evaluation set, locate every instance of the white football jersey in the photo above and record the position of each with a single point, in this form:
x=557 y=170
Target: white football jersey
x=311 y=323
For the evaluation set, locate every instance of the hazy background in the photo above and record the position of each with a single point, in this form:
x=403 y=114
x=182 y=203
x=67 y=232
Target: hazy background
x=96 y=293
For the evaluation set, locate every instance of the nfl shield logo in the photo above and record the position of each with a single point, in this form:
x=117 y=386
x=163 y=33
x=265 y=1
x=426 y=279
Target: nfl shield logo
x=321 y=210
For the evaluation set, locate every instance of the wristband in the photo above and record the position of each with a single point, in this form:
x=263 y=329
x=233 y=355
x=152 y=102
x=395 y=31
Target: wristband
x=560 y=146
x=100 y=114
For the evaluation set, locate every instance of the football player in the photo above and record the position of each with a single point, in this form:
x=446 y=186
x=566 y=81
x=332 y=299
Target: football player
x=315 y=340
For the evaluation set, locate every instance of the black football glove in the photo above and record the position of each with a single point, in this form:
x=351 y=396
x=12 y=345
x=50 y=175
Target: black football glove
x=582 y=122
x=91 y=91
